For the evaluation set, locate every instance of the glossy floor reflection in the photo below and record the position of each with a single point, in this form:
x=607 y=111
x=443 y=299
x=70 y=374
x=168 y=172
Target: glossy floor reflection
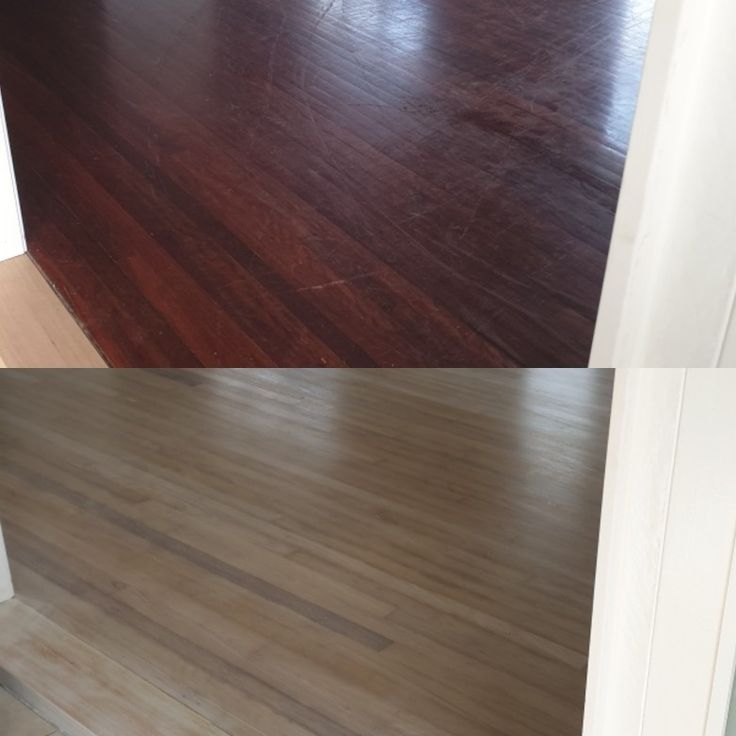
x=343 y=182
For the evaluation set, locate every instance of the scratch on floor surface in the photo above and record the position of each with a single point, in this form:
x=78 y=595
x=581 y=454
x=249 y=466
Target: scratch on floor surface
x=336 y=282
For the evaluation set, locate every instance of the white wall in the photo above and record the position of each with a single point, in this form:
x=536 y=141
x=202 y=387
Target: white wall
x=12 y=239
x=668 y=297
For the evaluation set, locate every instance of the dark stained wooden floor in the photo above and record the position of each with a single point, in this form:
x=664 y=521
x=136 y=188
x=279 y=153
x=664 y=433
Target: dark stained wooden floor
x=323 y=182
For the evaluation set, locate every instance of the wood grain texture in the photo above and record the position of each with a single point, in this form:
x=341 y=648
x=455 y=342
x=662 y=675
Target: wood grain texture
x=325 y=552
x=36 y=330
x=291 y=183
x=81 y=690
x=17 y=719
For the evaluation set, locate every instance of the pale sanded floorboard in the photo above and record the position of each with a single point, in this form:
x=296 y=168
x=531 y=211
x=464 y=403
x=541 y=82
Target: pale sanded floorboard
x=36 y=330
x=17 y=719
x=79 y=689
x=314 y=553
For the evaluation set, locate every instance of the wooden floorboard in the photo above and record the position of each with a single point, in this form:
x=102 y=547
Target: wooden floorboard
x=36 y=329
x=257 y=183
x=334 y=553
x=81 y=690
x=18 y=719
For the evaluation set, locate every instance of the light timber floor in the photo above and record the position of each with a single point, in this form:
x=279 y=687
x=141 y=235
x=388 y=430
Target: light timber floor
x=36 y=330
x=286 y=553
x=17 y=719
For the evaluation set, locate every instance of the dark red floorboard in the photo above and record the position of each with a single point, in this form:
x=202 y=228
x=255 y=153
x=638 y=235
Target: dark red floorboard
x=345 y=182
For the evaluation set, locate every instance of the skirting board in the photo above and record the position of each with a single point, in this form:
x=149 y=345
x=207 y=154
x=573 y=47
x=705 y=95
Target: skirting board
x=12 y=237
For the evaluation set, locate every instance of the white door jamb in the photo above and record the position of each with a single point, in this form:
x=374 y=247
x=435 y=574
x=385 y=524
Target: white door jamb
x=663 y=638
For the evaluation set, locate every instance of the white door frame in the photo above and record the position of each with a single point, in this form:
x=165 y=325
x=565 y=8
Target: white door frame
x=12 y=236
x=6 y=584
x=670 y=286
x=663 y=639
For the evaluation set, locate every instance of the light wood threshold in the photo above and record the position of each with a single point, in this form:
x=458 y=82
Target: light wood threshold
x=306 y=552
x=36 y=330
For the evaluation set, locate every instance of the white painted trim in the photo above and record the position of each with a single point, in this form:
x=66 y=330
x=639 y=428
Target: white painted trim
x=12 y=236
x=663 y=639
x=670 y=285
x=6 y=584
x=644 y=422
x=697 y=562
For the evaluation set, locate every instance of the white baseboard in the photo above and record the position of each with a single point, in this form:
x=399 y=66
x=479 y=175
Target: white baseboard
x=12 y=236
